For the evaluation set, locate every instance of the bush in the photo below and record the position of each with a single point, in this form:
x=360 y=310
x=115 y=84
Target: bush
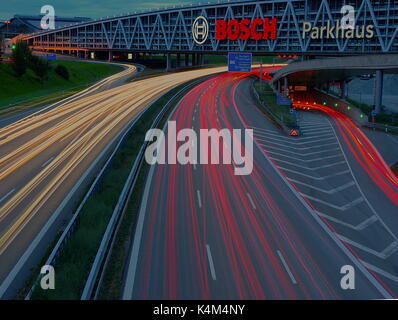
x=20 y=58
x=39 y=66
x=62 y=71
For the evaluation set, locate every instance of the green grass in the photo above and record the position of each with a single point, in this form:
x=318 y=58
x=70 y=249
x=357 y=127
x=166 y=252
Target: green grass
x=29 y=90
x=268 y=96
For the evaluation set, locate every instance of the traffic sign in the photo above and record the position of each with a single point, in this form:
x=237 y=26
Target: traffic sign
x=240 y=62
x=282 y=100
x=51 y=57
x=294 y=132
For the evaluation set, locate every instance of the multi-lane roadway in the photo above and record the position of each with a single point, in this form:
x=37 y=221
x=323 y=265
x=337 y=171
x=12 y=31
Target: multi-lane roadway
x=44 y=156
x=309 y=208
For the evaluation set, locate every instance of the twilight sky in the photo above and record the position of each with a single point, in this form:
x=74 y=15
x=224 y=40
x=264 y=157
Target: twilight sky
x=84 y=8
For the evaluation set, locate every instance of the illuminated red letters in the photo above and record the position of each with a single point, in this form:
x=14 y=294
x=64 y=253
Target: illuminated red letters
x=247 y=29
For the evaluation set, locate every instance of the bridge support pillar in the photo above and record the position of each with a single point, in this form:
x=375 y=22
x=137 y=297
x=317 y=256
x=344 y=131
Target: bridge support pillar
x=109 y=56
x=379 y=90
x=202 y=59
x=343 y=89
x=178 y=60
x=186 y=60
x=286 y=86
x=168 y=62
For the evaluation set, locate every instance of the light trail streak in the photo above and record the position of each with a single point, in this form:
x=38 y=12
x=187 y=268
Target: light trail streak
x=76 y=129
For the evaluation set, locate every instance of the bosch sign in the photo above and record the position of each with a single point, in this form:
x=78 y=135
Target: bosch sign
x=246 y=29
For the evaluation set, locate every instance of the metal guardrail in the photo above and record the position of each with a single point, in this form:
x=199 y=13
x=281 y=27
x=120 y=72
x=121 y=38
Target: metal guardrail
x=95 y=277
x=382 y=127
x=71 y=227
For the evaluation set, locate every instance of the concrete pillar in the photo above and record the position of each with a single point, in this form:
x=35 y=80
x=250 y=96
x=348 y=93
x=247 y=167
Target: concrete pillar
x=379 y=90
x=286 y=86
x=202 y=59
x=186 y=60
x=168 y=62
x=343 y=89
x=278 y=86
x=178 y=60
x=109 y=56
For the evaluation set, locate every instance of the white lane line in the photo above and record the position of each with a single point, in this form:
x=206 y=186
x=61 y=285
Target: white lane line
x=251 y=201
x=300 y=153
x=303 y=160
x=211 y=264
x=286 y=267
x=315 y=177
x=382 y=255
x=331 y=191
x=199 y=199
x=315 y=168
x=341 y=208
x=263 y=138
x=380 y=271
x=359 y=227
x=7 y=195
x=47 y=162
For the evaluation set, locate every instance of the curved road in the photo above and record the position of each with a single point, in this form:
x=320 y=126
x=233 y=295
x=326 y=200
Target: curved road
x=43 y=156
x=212 y=235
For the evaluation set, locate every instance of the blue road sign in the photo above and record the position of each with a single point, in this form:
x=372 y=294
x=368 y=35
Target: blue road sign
x=281 y=99
x=51 y=57
x=239 y=62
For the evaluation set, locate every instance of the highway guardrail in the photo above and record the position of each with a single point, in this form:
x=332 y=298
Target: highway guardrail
x=94 y=279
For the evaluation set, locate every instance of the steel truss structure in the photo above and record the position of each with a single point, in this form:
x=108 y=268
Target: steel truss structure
x=170 y=30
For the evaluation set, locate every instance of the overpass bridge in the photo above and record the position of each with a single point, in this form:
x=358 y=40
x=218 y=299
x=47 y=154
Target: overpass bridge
x=315 y=73
x=265 y=27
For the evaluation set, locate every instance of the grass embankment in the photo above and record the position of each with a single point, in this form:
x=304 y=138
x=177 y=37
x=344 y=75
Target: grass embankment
x=30 y=91
x=74 y=264
x=269 y=98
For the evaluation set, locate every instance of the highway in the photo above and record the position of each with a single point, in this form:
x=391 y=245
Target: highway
x=309 y=208
x=43 y=155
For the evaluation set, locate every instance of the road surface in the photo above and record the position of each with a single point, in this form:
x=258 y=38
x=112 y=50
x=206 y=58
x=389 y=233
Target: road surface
x=204 y=233
x=44 y=155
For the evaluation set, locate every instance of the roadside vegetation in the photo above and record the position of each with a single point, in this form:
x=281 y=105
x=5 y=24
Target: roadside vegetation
x=382 y=118
x=269 y=99
x=30 y=80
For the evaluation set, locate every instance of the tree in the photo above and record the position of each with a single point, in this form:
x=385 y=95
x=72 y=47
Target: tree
x=62 y=71
x=39 y=66
x=20 y=58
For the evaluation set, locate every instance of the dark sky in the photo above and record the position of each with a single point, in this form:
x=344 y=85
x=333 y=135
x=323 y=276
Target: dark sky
x=84 y=8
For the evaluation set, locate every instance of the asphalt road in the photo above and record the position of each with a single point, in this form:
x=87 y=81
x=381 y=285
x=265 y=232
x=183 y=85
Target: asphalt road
x=44 y=155
x=205 y=233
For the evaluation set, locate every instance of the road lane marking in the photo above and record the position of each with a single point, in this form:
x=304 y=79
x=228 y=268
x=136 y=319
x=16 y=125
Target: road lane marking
x=341 y=208
x=7 y=195
x=211 y=264
x=332 y=191
x=303 y=160
x=47 y=162
x=358 y=227
x=299 y=153
x=286 y=267
x=251 y=201
x=315 y=168
x=199 y=199
x=380 y=271
x=387 y=252
x=313 y=177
